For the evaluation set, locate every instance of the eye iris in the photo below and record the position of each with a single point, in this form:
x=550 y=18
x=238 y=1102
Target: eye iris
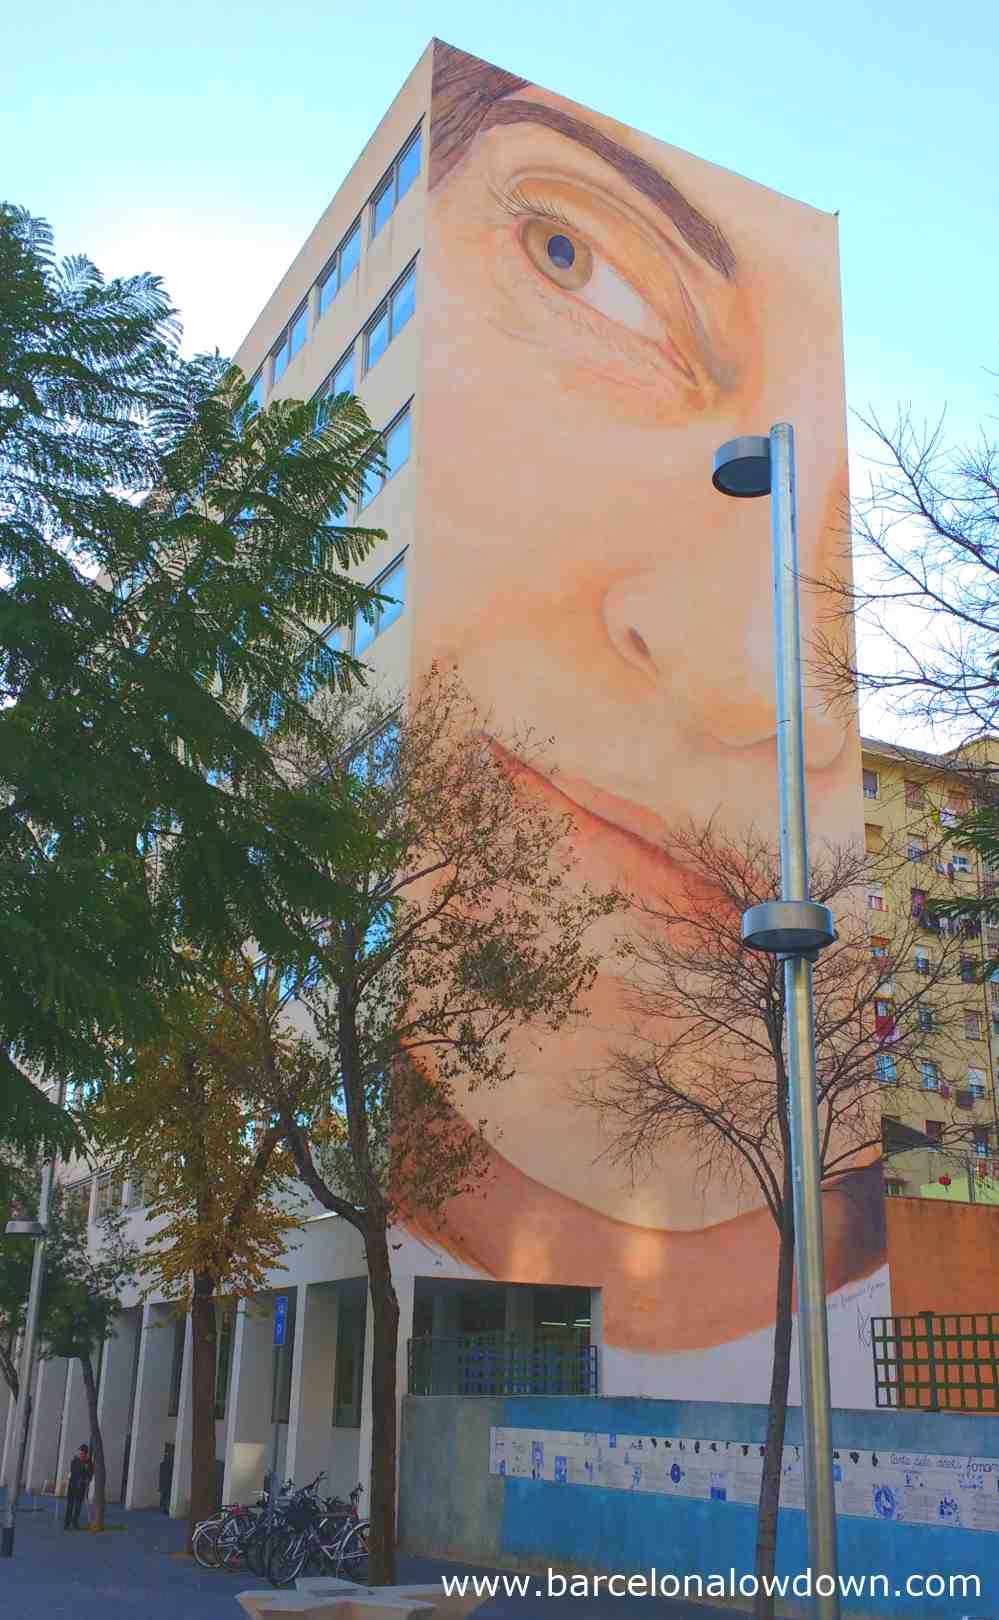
x=561 y=252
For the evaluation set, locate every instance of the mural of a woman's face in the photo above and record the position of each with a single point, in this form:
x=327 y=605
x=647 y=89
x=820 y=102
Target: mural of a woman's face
x=601 y=312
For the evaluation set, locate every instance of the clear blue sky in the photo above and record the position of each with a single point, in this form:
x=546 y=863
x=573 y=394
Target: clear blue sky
x=202 y=140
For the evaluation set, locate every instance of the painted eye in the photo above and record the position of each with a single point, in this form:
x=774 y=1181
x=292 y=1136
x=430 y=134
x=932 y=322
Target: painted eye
x=562 y=257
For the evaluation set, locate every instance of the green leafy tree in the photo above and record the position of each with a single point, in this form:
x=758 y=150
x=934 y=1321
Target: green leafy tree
x=170 y=558
x=18 y=1194
x=461 y=927
x=82 y=1298
x=184 y=1115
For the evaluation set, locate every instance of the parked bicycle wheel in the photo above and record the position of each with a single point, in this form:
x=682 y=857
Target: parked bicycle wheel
x=287 y=1558
x=257 y=1549
x=352 y=1563
x=204 y=1543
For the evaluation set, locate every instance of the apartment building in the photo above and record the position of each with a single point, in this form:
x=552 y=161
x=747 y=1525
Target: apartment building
x=912 y=801
x=554 y=319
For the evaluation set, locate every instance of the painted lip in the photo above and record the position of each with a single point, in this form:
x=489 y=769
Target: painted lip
x=603 y=811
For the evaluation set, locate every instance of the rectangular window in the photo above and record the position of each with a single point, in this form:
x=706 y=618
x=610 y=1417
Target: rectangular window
x=396 y=446
x=875 y=898
x=291 y=340
x=981 y=1141
x=885 y=1070
x=879 y=949
x=349 y=1371
x=870 y=784
x=925 y=1015
x=390 y=318
x=340 y=267
x=108 y=1195
x=341 y=378
x=257 y=391
x=972 y=1025
x=976 y=1082
x=930 y=1074
x=395 y=184
x=392 y=585
x=933 y=1128
x=917 y=902
x=136 y=1190
x=967 y=970
x=915 y=795
x=177 y=1365
x=961 y=862
x=916 y=850
x=921 y=961
x=223 y=1363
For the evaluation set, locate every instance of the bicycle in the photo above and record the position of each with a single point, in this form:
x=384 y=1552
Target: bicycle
x=333 y=1536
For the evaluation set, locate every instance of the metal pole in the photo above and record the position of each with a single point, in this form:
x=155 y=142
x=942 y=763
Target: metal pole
x=26 y=1366
x=809 y=1256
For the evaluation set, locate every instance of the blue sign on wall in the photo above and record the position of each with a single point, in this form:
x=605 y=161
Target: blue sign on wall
x=280 y=1317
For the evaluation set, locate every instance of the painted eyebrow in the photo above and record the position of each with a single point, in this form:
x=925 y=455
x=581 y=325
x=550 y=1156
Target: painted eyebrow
x=699 y=233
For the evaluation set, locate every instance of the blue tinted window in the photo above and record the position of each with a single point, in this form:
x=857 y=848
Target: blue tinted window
x=408 y=168
x=329 y=288
x=403 y=301
x=393 y=588
x=350 y=254
x=382 y=204
x=372 y=484
x=280 y=360
x=397 y=443
x=343 y=376
x=364 y=633
x=257 y=391
x=299 y=330
x=378 y=337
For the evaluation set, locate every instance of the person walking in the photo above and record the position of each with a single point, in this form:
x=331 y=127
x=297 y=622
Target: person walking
x=81 y=1472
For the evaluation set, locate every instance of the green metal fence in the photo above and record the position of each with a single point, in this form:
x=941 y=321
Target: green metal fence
x=937 y=1363
x=500 y=1364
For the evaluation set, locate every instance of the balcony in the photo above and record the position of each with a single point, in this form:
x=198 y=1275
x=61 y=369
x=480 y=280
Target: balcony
x=501 y=1364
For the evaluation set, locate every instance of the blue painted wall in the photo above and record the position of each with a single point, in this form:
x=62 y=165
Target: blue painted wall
x=518 y=1523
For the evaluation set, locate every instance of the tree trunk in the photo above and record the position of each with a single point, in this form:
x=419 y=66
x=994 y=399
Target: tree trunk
x=203 y=1358
x=8 y=1368
x=384 y=1357
x=96 y=1443
x=766 y=1519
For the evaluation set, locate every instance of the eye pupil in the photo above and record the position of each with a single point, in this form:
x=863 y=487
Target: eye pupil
x=561 y=252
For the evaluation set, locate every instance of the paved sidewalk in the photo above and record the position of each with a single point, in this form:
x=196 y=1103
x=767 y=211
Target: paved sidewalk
x=135 y=1573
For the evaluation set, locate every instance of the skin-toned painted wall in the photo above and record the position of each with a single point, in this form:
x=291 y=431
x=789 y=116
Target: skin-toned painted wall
x=600 y=312
x=943 y=1257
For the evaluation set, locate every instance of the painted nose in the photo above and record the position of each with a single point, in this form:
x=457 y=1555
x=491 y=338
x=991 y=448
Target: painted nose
x=701 y=637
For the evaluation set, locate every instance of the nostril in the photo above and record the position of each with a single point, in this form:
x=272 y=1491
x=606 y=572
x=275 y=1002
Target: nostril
x=640 y=645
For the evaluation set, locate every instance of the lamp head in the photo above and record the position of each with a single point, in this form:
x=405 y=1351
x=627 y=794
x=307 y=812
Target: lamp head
x=21 y=1227
x=742 y=467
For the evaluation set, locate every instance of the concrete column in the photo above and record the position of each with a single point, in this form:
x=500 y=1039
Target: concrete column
x=249 y=1431
x=597 y=1332
x=180 y=1487
x=115 y=1395
x=46 y=1424
x=75 y=1424
x=405 y=1288
x=6 y=1443
x=151 y=1423
x=519 y=1318
x=310 y=1413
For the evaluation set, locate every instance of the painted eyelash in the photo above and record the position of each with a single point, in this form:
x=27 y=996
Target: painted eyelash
x=517 y=204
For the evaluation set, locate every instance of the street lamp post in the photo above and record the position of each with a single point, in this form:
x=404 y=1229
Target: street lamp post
x=795 y=928
x=25 y=1375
